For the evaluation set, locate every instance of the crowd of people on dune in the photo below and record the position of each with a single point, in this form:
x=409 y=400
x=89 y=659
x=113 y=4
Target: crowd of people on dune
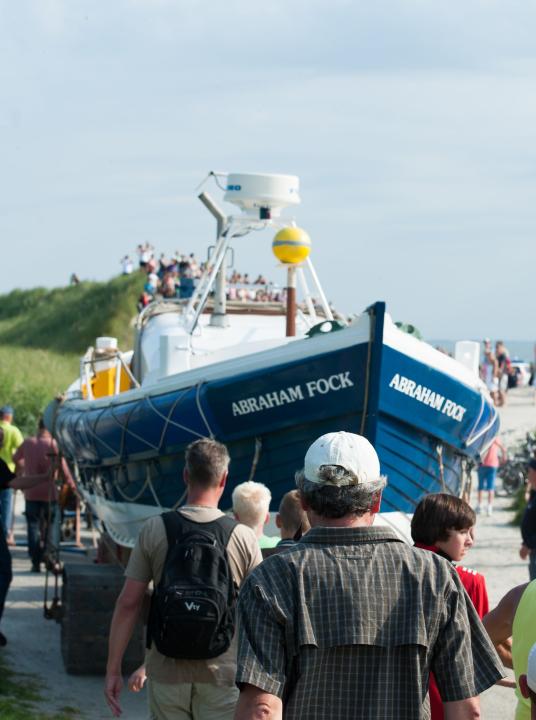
x=177 y=277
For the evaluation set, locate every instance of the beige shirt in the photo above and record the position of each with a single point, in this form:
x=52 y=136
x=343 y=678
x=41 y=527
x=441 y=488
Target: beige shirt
x=147 y=562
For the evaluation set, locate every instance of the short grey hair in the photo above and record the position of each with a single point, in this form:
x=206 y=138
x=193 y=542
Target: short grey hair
x=338 y=494
x=206 y=460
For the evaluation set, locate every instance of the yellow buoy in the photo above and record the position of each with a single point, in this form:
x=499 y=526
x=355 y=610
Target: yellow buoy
x=291 y=245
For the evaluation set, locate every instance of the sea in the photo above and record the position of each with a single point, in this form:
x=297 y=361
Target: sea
x=518 y=349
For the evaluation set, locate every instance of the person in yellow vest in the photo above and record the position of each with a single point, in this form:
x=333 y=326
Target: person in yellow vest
x=12 y=440
x=514 y=618
x=527 y=683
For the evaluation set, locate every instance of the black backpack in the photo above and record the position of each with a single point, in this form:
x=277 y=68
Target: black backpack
x=193 y=606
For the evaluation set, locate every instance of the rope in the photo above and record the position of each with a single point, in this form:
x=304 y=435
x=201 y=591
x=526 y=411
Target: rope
x=90 y=428
x=465 y=490
x=151 y=488
x=180 y=500
x=123 y=434
x=124 y=495
x=367 y=375
x=169 y=421
x=94 y=434
x=439 y=451
x=256 y=457
x=125 y=429
x=198 y=401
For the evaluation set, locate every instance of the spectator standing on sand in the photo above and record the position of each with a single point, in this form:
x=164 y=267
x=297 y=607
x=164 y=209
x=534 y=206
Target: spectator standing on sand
x=12 y=440
x=251 y=506
x=444 y=524
x=503 y=370
x=487 y=473
x=528 y=523
x=514 y=618
x=489 y=371
x=38 y=455
x=198 y=689
x=349 y=622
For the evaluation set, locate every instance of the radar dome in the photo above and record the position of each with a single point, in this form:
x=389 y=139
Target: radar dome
x=265 y=193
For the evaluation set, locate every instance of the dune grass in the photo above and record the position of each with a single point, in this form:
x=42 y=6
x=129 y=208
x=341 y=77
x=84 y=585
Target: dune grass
x=30 y=379
x=44 y=332
x=67 y=320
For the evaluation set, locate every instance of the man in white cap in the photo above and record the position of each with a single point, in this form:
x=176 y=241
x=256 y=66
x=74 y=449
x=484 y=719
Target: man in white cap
x=348 y=622
x=527 y=682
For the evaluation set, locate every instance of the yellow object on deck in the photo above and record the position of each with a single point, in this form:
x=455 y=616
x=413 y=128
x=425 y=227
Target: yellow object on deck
x=291 y=245
x=103 y=383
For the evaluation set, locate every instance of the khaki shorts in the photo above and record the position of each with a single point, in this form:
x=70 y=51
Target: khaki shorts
x=191 y=701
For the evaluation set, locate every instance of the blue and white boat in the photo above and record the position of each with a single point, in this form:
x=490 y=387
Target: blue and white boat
x=228 y=371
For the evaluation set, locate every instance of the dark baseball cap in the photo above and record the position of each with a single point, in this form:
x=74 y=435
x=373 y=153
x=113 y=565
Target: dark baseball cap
x=532 y=464
x=6 y=410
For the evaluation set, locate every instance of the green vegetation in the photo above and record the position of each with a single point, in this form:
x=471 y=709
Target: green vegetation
x=518 y=506
x=19 y=695
x=44 y=332
x=30 y=379
x=69 y=319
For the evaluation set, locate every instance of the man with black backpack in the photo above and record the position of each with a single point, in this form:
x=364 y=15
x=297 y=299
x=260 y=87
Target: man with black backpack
x=197 y=558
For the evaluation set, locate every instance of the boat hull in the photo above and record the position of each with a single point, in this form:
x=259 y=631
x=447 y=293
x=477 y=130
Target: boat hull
x=128 y=451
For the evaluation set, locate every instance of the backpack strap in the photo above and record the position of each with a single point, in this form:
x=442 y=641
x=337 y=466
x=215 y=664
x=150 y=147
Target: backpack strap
x=222 y=528
x=176 y=525
x=173 y=525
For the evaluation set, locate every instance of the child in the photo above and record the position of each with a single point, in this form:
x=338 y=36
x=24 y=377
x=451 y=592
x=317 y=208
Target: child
x=444 y=524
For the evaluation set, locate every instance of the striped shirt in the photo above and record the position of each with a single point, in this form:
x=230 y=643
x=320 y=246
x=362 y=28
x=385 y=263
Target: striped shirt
x=348 y=623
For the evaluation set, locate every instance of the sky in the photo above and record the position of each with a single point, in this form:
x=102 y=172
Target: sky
x=411 y=125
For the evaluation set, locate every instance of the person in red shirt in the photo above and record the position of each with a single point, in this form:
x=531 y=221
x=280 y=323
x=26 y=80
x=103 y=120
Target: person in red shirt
x=38 y=456
x=444 y=524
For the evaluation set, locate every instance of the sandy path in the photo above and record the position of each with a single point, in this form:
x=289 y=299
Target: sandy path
x=34 y=644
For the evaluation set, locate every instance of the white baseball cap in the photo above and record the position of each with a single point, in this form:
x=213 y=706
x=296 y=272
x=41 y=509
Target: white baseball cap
x=531 y=669
x=352 y=452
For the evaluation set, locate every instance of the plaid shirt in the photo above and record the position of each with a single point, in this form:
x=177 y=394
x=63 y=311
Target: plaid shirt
x=348 y=623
